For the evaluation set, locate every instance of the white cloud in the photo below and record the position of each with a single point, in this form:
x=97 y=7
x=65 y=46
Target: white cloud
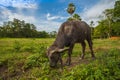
x=93 y=13
x=47 y=25
x=19 y=3
x=29 y=19
x=49 y=17
x=7 y=15
x=41 y=24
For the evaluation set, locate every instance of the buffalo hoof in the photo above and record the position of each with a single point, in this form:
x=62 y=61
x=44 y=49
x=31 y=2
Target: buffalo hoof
x=67 y=64
x=81 y=58
x=52 y=66
x=93 y=58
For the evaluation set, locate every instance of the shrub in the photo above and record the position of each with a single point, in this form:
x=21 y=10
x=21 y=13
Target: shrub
x=37 y=59
x=17 y=46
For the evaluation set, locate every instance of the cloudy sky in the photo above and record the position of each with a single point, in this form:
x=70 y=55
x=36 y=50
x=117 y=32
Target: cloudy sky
x=49 y=14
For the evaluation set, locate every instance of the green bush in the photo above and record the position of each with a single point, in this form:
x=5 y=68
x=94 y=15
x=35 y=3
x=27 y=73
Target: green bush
x=37 y=59
x=17 y=46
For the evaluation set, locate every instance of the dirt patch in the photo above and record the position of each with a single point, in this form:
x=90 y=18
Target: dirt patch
x=3 y=72
x=2 y=69
x=114 y=38
x=77 y=61
x=6 y=72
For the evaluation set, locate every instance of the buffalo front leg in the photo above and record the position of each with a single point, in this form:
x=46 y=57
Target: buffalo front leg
x=83 y=49
x=68 y=62
x=61 y=62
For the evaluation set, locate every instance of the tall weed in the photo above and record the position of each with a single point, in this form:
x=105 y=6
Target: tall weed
x=17 y=46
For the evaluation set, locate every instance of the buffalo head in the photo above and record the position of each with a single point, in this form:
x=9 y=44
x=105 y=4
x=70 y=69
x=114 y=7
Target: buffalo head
x=54 y=56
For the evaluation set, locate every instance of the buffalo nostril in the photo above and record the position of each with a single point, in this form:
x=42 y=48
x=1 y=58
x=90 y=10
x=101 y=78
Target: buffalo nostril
x=52 y=66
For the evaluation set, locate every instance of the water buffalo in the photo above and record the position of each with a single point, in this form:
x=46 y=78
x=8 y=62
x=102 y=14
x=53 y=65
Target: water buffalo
x=70 y=32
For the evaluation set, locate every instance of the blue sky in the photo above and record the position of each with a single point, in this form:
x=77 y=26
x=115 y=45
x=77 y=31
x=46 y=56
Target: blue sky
x=48 y=15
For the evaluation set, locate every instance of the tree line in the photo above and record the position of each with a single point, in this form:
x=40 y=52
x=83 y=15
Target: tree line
x=21 y=29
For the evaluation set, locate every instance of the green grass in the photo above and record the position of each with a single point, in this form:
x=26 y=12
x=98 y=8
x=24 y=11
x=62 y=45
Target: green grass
x=25 y=59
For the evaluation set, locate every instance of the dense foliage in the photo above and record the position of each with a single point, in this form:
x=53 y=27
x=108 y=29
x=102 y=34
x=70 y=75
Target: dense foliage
x=110 y=25
x=20 y=29
x=74 y=17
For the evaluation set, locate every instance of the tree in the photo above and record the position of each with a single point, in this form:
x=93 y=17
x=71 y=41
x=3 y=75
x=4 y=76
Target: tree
x=92 y=28
x=52 y=34
x=43 y=34
x=101 y=31
x=117 y=10
x=21 y=29
x=91 y=24
x=77 y=17
x=116 y=23
x=71 y=8
x=18 y=28
x=116 y=29
x=109 y=16
x=1 y=32
x=74 y=17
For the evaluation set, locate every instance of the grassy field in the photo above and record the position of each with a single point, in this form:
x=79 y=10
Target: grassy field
x=25 y=59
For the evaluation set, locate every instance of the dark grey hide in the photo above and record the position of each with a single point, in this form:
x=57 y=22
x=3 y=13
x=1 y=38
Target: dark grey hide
x=70 y=32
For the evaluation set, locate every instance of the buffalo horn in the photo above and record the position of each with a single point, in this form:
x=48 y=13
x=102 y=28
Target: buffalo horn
x=62 y=50
x=59 y=50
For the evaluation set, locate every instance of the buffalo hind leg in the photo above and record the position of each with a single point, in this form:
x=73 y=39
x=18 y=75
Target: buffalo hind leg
x=91 y=48
x=68 y=62
x=83 y=49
